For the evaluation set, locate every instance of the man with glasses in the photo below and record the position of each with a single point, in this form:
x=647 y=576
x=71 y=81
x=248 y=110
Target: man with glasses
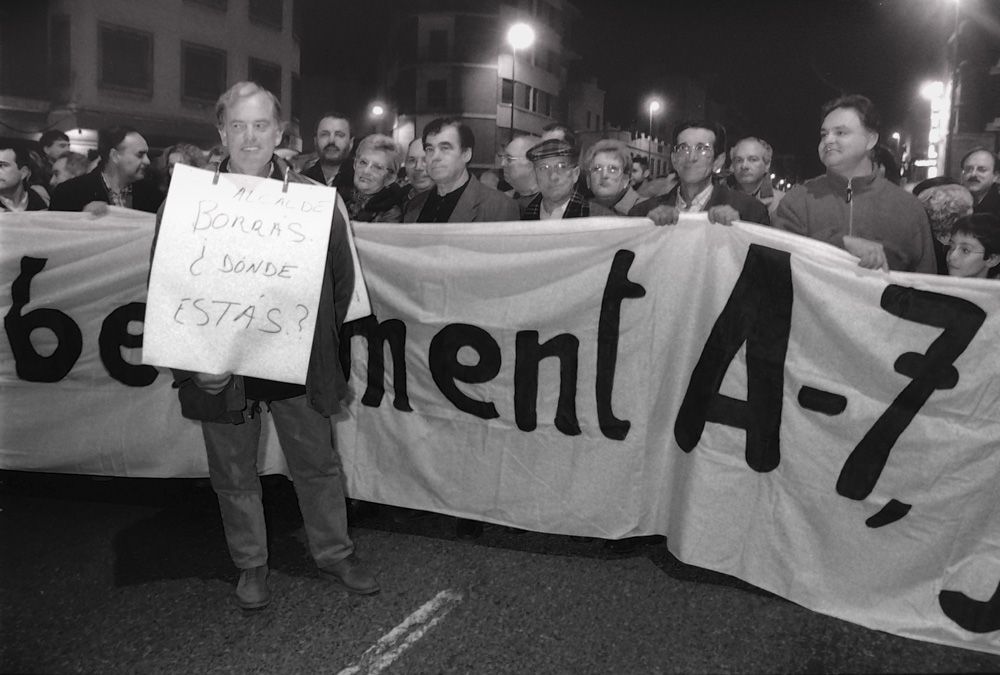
x=606 y=163
x=519 y=171
x=457 y=197
x=698 y=152
x=851 y=206
x=557 y=169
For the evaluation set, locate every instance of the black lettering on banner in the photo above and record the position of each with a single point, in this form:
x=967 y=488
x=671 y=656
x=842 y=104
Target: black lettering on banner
x=445 y=367
x=528 y=355
x=114 y=335
x=930 y=371
x=975 y=616
x=29 y=364
x=758 y=313
x=376 y=335
x=617 y=288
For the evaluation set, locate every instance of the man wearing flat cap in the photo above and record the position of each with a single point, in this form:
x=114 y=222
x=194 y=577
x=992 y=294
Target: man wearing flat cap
x=557 y=169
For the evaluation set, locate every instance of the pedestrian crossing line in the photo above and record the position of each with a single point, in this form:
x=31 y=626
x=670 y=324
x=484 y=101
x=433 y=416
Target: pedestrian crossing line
x=391 y=646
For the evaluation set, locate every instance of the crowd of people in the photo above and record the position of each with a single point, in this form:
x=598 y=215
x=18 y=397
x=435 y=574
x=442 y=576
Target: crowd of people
x=945 y=226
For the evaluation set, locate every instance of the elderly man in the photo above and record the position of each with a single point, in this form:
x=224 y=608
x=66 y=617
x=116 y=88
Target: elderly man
x=698 y=152
x=851 y=206
x=519 y=171
x=333 y=141
x=457 y=197
x=15 y=171
x=416 y=168
x=981 y=175
x=751 y=158
x=557 y=170
x=117 y=180
x=230 y=406
x=606 y=164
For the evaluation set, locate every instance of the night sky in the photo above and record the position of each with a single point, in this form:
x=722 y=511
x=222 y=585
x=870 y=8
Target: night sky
x=774 y=62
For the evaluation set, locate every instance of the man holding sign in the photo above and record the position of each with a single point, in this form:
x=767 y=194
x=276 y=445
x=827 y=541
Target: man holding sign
x=229 y=405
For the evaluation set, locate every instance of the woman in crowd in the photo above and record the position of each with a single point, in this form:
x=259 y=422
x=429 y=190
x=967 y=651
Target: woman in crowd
x=376 y=197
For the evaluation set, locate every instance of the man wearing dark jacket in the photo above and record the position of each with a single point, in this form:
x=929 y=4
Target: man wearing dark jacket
x=333 y=142
x=230 y=406
x=118 y=178
x=699 y=149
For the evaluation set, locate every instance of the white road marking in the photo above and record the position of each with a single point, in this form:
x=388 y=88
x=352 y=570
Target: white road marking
x=391 y=646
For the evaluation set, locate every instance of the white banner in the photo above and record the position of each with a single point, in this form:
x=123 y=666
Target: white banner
x=821 y=431
x=237 y=275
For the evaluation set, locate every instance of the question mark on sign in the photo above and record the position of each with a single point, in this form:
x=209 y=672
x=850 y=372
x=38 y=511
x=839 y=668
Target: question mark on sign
x=305 y=315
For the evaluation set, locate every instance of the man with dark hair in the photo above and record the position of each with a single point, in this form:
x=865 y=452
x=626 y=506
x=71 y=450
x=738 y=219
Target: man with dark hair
x=518 y=170
x=54 y=144
x=230 y=406
x=851 y=206
x=457 y=196
x=15 y=170
x=981 y=175
x=974 y=247
x=558 y=131
x=333 y=141
x=117 y=180
x=699 y=150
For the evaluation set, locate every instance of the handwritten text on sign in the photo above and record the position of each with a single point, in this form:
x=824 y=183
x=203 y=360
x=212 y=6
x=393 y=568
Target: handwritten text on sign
x=236 y=277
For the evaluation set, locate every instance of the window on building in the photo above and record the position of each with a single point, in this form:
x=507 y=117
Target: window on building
x=437 y=45
x=267 y=12
x=437 y=93
x=214 y=4
x=203 y=72
x=506 y=91
x=267 y=75
x=126 y=59
x=59 y=51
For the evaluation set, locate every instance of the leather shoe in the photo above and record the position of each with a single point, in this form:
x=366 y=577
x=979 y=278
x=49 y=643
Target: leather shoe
x=252 y=591
x=351 y=574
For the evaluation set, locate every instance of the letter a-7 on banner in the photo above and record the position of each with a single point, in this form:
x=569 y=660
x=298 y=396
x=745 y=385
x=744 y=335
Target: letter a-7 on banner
x=236 y=276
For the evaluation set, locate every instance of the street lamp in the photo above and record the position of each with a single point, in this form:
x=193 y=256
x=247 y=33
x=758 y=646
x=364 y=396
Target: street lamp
x=519 y=36
x=654 y=106
x=377 y=111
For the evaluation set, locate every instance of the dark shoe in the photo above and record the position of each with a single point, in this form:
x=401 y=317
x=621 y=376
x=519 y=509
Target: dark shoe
x=252 y=591
x=351 y=574
x=468 y=529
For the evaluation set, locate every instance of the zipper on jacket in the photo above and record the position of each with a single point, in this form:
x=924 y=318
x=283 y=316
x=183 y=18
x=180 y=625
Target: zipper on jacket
x=850 y=208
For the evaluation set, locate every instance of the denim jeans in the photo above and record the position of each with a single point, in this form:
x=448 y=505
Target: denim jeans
x=307 y=442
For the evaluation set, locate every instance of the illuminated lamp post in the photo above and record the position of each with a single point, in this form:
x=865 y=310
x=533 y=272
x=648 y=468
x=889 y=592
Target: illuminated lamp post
x=519 y=36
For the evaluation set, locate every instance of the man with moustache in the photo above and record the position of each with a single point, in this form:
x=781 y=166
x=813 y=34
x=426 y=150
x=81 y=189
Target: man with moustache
x=416 y=169
x=230 y=406
x=851 y=206
x=333 y=142
x=981 y=175
x=117 y=180
x=519 y=171
x=751 y=158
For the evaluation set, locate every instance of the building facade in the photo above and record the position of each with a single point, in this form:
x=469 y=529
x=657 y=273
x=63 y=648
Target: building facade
x=156 y=65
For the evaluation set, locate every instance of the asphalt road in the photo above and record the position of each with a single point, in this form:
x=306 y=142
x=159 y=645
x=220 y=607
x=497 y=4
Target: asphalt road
x=132 y=576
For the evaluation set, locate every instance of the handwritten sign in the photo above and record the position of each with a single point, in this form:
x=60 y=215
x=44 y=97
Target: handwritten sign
x=236 y=277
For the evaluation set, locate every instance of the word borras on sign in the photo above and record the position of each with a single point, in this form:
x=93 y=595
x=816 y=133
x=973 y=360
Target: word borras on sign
x=33 y=366
x=446 y=369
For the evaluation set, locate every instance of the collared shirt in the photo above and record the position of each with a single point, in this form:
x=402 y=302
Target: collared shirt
x=120 y=198
x=438 y=208
x=697 y=204
x=10 y=205
x=555 y=214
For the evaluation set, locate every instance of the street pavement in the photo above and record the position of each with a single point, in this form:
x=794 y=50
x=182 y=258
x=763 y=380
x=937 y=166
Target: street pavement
x=132 y=576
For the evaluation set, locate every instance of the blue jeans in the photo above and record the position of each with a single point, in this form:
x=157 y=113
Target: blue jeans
x=307 y=442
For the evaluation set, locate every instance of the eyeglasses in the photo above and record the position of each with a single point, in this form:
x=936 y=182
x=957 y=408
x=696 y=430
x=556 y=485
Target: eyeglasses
x=363 y=164
x=558 y=167
x=965 y=249
x=702 y=149
x=610 y=169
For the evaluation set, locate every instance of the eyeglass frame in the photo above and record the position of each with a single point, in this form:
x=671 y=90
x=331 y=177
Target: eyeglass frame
x=702 y=149
x=545 y=167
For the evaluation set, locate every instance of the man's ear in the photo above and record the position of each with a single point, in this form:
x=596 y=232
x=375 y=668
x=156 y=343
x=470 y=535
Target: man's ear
x=872 y=140
x=466 y=155
x=993 y=260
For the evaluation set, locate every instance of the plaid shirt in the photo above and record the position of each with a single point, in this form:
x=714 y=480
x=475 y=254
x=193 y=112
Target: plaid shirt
x=578 y=207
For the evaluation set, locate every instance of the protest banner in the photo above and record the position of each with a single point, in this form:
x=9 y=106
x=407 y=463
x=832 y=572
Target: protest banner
x=824 y=432
x=236 y=278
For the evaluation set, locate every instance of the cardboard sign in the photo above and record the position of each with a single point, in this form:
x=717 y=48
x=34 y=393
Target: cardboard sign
x=236 y=277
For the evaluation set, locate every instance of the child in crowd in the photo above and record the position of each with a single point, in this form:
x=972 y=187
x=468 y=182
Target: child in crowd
x=974 y=250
